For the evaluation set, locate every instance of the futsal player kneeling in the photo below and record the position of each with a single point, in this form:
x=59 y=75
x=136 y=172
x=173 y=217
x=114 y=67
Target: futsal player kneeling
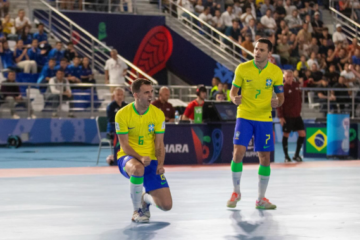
x=257 y=80
x=140 y=127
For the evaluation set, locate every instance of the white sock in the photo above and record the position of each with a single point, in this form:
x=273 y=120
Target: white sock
x=149 y=199
x=263 y=183
x=236 y=176
x=136 y=191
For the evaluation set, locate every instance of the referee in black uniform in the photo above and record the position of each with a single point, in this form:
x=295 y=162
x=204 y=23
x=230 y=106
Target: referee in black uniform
x=289 y=115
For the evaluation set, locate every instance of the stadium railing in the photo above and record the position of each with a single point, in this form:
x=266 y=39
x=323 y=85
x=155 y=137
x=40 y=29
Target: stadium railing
x=90 y=100
x=350 y=27
x=109 y=6
x=215 y=41
x=64 y=29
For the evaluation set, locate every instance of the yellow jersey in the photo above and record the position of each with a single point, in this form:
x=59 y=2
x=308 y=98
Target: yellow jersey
x=256 y=90
x=140 y=128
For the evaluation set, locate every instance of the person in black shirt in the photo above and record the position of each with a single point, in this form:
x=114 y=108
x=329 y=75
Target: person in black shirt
x=70 y=52
x=323 y=97
x=280 y=11
x=317 y=25
x=332 y=76
x=111 y=110
x=315 y=77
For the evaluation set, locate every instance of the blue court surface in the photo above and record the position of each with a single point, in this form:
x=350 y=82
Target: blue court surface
x=315 y=199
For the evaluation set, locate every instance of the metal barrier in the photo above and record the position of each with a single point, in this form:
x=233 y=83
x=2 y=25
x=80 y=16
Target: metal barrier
x=89 y=100
x=333 y=101
x=110 y=6
x=64 y=30
x=218 y=43
x=350 y=27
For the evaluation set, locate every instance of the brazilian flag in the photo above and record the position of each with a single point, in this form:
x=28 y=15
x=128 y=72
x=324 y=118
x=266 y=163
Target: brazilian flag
x=316 y=141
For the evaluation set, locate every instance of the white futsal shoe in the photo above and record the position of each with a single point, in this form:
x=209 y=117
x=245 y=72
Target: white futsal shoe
x=139 y=217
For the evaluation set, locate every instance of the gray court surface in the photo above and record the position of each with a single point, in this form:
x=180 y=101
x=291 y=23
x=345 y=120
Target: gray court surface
x=313 y=203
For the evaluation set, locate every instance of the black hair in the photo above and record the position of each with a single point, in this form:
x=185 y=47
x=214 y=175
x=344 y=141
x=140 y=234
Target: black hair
x=200 y=89
x=70 y=43
x=135 y=86
x=41 y=24
x=266 y=41
x=58 y=43
x=64 y=59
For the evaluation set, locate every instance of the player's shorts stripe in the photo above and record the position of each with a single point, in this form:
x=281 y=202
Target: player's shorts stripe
x=236 y=85
x=122 y=132
x=279 y=88
x=160 y=132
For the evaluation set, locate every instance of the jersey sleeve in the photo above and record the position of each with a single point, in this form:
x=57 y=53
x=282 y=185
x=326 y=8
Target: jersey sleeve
x=121 y=125
x=160 y=123
x=278 y=83
x=238 y=79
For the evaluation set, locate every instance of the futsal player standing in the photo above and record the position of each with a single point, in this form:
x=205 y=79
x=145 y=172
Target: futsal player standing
x=140 y=127
x=289 y=115
x=257 y=79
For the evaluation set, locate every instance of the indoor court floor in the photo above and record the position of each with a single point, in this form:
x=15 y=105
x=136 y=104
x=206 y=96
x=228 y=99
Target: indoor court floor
x=315 y=199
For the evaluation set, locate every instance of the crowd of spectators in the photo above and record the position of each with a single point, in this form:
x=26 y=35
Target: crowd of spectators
x=301 y=40
x=24 y=52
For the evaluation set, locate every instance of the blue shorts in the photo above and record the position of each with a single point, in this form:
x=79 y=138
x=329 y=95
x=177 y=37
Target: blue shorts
x=262 y=132
x=152 y=181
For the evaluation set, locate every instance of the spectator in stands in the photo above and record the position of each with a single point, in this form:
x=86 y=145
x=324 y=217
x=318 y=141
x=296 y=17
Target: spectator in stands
x=268 y=22
x=56 y=53
x=21 y=22
x=220 y=97
x=111 y=110
x=332 y=76
x=6 y=56
x=199 y=7
x=7 y=24
x=220 y=89
x=234 y=32
x=41 y=36
x=294 y=22
x=188 y=6
x=74 y=70
x=338 y=36
x=312 y=60
x=317 y=25
x=343 y=57
x=356 y=71
x=315 y=77
x=63 y=66
x=245 y=17
x=70 y=52
x=289 y=7
x=5 y=5
x=252 y=6
x=248 y=45
x=353 y=46
x=304 y=33
x=54 y=92
x=266 y=6
x=217 y=21
x=227 y=92
x=22 y=60
x=228 y=17
x=345 y=7
x=327 y=36
x=47 y=72
x=348 y=74
x=280 y=12
x=251 y=30
x=214 y=82
x=87 y=75
x=308 y=21
x=356 y=58
x=13 y=96
x=163 y=104
x=342 y=97
x=322 y=97
x=37 y=55
x=284 y=49
x=302 y=66
x=115 y=70
x=26 y=36
x=206 y=17
x=199 y=101
x=237 y=9
x=323 y=49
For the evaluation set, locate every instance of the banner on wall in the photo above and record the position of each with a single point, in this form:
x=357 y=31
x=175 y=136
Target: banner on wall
x=338 y=130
